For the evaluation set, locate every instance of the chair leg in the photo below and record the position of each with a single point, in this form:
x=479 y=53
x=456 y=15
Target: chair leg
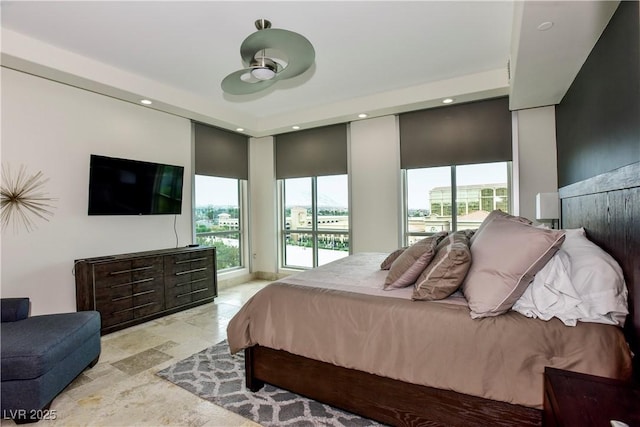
x=94 y=362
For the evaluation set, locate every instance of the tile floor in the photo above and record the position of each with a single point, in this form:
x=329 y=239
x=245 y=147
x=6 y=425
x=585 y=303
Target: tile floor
x=123 y=390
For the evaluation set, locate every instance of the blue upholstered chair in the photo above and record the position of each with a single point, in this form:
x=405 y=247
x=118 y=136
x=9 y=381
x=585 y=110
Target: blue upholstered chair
x=41 y=355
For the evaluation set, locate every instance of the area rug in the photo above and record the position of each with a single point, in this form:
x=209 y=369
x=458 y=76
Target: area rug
x=217 y=376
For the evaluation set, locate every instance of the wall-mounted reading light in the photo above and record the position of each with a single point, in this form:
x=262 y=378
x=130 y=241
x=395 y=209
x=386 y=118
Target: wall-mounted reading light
x=547 y=207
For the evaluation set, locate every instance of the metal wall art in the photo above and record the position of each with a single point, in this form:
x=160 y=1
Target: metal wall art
x=23 y=200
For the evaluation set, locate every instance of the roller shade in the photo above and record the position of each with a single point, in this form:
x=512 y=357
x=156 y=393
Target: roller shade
x=476 y=132
x=220 y=153
x=313 y=152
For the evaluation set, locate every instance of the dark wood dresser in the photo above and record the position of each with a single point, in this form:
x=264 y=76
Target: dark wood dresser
x=129 y=289
x=573 y=399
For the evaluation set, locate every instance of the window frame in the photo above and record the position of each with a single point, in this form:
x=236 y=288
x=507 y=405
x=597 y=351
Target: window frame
x=406 y=234
x=314 y=231
x=240 y=231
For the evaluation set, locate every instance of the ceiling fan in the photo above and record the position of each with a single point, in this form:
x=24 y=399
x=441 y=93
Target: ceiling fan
x=271 y=55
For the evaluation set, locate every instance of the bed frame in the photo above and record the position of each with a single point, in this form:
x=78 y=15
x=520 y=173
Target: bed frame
x=607 y=206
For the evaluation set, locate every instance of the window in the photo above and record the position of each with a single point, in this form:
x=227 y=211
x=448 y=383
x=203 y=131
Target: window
x=315 y=223
x=218 y=219
x=220 y=175
x=474 y=190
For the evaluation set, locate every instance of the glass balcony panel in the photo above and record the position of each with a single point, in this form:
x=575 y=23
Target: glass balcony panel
x=332 y=247
x=298 y=250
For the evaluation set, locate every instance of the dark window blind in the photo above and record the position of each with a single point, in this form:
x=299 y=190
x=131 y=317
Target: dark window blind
x=312 y=152
x=475 y=132
x=220 y=153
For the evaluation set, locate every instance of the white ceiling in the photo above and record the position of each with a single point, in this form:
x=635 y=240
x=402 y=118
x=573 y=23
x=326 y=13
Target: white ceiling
x=377 y=57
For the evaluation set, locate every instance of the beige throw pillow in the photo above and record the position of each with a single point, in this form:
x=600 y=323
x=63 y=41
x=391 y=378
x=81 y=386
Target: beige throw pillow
x=506 y=256
x=407 y=267
x=493 y=215
x=386 y=264
x=446 y=271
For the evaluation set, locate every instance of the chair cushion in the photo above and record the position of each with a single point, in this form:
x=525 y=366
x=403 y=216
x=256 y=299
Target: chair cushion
x=31 y=347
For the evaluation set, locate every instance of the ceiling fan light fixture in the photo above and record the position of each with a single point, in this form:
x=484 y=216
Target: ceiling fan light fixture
x=263 y=73
x=270 y=55
x=263 y=68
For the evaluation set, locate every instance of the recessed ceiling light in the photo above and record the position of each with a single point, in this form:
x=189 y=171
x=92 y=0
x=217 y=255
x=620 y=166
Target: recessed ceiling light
x=239 y=129
x=447 y=100
x=363 y=115
x=145 y=102
x=295 y=127
x=545 y=26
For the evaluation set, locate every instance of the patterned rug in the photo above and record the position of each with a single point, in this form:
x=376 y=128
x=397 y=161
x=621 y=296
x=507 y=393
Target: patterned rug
x=217 y=376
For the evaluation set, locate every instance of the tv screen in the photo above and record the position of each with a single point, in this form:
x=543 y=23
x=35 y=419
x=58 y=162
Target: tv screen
x=131 y=187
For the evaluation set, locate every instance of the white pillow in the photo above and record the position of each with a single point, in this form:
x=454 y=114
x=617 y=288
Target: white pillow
x=580 y=282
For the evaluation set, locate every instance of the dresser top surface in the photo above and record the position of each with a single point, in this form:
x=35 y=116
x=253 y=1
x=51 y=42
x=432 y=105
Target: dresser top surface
x=157 y=252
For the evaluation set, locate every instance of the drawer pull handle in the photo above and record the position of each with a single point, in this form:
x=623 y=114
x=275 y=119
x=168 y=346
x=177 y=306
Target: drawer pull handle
x=131 y=270
x=192 y=292
x=190 y=260
x=131 y=296
x=150 y=279
x=191 y=282
x=144 y=293
x=134 y=308
x=195 y=270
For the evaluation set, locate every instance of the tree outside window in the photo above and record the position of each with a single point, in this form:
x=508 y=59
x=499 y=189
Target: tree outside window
x=218 y=220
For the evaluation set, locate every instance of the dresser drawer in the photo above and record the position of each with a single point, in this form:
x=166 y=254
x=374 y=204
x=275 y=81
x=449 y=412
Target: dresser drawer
x=108 y=294
x=115 y=312
x=178 y=295
x=112 y=273
x=147 y=267
x=122 y=272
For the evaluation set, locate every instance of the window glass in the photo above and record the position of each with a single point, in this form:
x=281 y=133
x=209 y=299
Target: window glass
x=429 y=199
x=479 y=189
x=298 y=250
x=217 y=218
x=298 y=218
x=333 y=203
x=333 y=217
x=316 y=220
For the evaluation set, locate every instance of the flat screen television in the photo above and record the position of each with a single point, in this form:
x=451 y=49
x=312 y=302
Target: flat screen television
x=132 y=187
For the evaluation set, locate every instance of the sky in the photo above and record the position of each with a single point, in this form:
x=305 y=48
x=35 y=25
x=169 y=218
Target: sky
x=216 y=191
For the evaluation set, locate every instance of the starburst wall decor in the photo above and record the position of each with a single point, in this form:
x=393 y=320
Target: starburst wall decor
x=23 y=199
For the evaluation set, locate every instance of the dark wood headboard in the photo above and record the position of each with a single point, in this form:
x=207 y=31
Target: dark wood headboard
x=608 y=207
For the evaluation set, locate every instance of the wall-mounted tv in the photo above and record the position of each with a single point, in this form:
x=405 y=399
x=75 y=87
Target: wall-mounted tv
x=131 y=187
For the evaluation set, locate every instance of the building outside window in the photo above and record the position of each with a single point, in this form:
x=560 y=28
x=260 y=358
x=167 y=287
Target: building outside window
x=218 y=218
x=451 y=198
x=315 y=220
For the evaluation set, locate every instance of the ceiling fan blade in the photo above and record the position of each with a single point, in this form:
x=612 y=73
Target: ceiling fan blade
x=234 y=85
x=299 y=50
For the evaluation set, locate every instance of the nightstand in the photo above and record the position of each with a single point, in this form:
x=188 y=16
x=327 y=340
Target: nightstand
x=581 y=400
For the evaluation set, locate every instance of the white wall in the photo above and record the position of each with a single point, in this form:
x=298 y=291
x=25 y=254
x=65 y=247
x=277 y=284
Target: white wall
x=374 y=168
x=538 y=166
x=262 y=209
x=54 y=128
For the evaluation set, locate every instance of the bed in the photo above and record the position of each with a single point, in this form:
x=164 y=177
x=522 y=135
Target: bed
x=406 y=379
